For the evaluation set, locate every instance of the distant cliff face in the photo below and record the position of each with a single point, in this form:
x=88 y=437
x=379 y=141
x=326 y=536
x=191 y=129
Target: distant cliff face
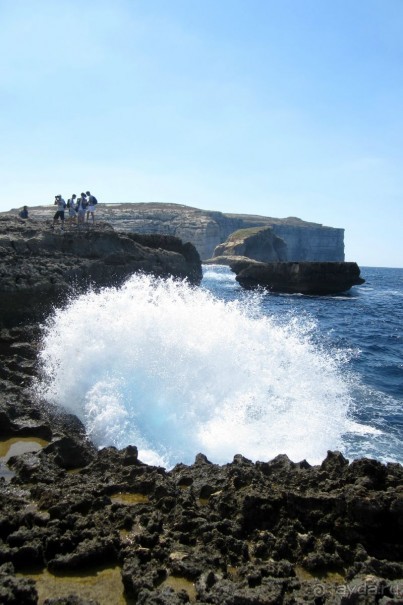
x=311 y=242
x=207 y=229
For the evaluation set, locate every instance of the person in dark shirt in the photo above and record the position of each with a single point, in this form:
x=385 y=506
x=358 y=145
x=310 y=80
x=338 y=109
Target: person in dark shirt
x=24 y=212
x=61 y=205
x=81 y=209
x=92 y=202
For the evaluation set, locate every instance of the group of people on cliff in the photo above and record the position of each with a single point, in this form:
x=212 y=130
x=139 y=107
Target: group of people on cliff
x=78 y=208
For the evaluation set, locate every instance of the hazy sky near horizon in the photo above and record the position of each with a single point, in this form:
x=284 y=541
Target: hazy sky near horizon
x=273 y=107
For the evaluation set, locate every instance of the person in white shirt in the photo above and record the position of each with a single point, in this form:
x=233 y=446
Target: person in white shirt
x=71 y=205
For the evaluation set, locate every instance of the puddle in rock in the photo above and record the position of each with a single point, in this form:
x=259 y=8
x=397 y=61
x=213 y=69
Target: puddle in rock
x=177 y=583
x=15 y=447
x=104 y=586
x=232 y=571
x=5 y=473
x=20 y=445
x=130 y=498
x=328 y=576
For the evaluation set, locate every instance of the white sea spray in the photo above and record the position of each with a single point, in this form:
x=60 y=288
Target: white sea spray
x=176 y=371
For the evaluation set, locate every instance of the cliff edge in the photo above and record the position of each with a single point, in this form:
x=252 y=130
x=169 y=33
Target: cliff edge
x=40 y=266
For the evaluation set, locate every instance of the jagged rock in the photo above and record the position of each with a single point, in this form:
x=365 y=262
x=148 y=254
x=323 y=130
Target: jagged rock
x=16 y=591
x=88 y=554
x=262 y=520
x=303 y=278
x=69 y=453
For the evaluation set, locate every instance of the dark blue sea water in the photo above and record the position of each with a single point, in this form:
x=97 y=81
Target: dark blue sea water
x=177 y=370
x=367 y=324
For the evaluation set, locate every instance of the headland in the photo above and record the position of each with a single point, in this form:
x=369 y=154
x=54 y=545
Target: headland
x=205 y=229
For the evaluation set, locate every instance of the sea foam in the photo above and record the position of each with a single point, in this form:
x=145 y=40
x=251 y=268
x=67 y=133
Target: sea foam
x=176 y=371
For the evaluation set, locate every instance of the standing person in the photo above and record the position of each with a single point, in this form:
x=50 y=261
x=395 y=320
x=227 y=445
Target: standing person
x=81 y=209
x=71 y=205
x=92 y=202
x=24 y=212
x=61 y=205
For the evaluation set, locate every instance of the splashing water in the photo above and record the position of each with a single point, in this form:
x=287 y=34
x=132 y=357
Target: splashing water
x=177 y=371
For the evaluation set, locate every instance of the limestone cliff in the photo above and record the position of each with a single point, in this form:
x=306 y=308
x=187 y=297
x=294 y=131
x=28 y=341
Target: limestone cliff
x=207 y=229
x=259 y=243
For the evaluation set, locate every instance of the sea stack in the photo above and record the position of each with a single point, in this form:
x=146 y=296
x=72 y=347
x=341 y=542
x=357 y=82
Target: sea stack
x=297 y=278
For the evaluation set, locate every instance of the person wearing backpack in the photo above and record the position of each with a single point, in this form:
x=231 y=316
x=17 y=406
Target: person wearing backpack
x=92 y=202
x=81 y=209
x=24 y=212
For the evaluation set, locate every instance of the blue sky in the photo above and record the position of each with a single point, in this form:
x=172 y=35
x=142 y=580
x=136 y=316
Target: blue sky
x=273 y=107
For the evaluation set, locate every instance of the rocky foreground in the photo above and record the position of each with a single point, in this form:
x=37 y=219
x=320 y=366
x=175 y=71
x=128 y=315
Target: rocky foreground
x=266 y=533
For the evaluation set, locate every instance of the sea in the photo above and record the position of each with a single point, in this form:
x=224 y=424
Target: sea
x=177 y=369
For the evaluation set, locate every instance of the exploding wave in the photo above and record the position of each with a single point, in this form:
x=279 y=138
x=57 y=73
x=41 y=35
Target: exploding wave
x=176 y=371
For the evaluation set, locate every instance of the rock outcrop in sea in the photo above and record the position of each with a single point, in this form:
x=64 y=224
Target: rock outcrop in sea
x=296 y=278
x=71 y=516
x=257 y=243
x=206 y=229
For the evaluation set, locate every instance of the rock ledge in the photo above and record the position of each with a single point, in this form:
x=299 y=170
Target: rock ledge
x=39 y=266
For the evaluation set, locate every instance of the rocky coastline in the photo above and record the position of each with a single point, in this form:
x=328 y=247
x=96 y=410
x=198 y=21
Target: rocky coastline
x=205 y=229
x=267 y=533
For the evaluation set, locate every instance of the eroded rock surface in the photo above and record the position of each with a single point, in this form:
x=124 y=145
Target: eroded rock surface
x=265 y=532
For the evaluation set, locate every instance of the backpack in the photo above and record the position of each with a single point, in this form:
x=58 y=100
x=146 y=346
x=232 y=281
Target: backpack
x=94 y=200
